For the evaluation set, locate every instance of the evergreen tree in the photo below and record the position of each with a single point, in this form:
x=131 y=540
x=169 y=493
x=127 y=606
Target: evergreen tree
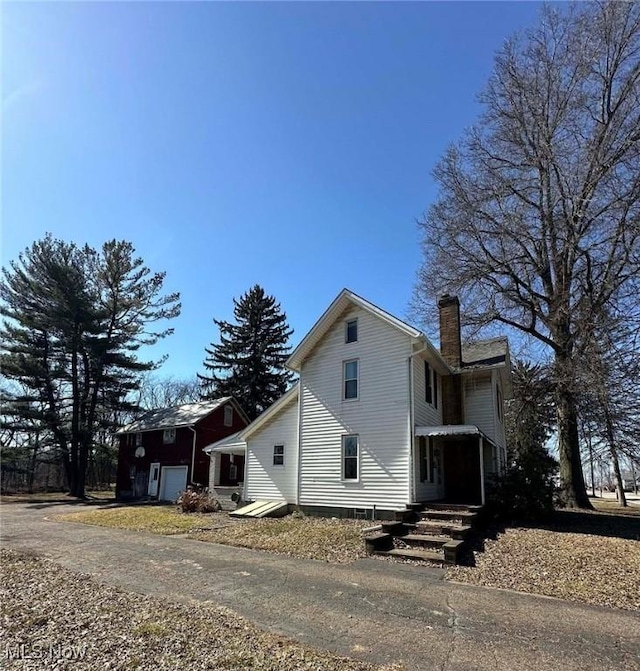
x=74 y=320
x=248 y=363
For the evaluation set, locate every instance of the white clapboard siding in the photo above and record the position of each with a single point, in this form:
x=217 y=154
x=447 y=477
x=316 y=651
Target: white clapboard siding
x=380 y=417
x=425 y=413
x=479 y=403
x=265 y=480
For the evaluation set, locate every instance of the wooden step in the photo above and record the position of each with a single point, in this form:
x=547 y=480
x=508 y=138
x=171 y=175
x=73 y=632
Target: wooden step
x=457 y=531
x=408 y=553
x=378 y=541
x=453 y=506
x=426 y=539
x=449 y=515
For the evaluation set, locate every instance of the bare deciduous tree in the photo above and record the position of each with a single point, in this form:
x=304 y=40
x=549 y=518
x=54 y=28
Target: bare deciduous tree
x=537 y=223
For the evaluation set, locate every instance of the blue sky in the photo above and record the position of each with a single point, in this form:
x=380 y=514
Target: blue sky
x=286 y=144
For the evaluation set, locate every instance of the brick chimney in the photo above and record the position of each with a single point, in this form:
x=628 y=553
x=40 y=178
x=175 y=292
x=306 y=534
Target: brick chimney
x=451 y=350
x=450 y=339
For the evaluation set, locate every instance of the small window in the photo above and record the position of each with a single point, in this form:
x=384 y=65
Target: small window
x=424 y=464
x=435 y=389
x=351 y=331
x=428 y=391
x=228 y=415
x=428 y=460
x=350 y=380
x=169 y=436
x=350 y=457
x=278 y=455
x=138 y=439
x=499 y=402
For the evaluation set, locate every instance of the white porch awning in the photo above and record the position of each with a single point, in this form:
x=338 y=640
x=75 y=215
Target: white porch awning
x=229 y=445
x=449 y=430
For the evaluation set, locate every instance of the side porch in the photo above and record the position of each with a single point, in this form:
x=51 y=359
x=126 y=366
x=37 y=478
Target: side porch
x=454 y=464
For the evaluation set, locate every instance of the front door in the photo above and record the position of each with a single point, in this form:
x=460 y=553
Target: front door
x=462 y=471
x=154 y=479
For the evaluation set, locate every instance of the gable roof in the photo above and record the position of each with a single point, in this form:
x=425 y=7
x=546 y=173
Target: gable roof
x=180 y=415
x=344 y=300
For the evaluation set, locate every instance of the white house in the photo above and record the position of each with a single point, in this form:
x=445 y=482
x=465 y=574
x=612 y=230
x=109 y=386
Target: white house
x=379 y=418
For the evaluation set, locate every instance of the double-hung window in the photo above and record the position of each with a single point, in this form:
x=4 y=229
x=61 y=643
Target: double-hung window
x=350 y=457
x=430 y=385
x=278 y=455
x=351 y=331
x=350 y=379
x=427 y=460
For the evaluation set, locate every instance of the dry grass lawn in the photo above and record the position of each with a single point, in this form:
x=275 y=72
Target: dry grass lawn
x=100 y=627
x=332 y=540
x=164 y=520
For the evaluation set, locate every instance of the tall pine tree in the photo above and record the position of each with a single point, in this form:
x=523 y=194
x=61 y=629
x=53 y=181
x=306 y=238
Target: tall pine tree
x=248 y=363
x=74 y=320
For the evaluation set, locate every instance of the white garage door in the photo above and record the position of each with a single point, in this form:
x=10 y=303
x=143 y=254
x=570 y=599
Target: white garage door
x=173 y=481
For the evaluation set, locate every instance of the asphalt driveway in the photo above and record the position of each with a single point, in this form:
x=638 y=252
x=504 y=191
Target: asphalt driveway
x=371 y=609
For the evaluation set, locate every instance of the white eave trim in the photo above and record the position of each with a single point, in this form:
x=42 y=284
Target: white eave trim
x=329 y=316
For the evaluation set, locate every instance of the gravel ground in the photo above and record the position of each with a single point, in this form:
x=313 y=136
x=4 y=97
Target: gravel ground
x=55 y=619
x=595 y=569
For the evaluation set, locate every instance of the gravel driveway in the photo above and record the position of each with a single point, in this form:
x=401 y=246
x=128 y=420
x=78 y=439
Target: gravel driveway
x=369 y=610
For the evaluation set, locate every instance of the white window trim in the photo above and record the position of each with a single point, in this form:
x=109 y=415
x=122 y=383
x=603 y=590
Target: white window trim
x=346 y=331
x=284 y=450
x=342 y=455
x=344 y=380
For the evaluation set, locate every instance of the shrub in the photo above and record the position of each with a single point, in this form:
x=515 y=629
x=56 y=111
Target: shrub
x=526 y=491
x=192 y=501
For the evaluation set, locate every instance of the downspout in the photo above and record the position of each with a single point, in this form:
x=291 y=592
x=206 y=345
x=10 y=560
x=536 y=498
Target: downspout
x=193 y=453
x=412 y=438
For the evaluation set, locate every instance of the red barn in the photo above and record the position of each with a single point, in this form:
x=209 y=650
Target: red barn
x=160 y=454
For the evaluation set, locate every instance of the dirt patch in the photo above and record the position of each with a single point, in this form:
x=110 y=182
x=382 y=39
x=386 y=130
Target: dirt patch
x=99 y=627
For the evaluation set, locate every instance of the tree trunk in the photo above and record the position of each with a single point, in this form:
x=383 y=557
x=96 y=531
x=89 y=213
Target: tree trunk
x=573 y=492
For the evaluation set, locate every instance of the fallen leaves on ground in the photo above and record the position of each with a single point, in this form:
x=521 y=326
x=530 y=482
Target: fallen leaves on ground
x=595 y=569
x=327 y=539
x=66 y=620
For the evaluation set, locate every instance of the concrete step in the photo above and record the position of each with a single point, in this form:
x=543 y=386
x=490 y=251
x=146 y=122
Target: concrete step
x=409 y=553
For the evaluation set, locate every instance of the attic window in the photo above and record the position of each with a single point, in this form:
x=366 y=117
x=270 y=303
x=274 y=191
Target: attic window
x=351 y=331
x=228 y=415
x=169 y=436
